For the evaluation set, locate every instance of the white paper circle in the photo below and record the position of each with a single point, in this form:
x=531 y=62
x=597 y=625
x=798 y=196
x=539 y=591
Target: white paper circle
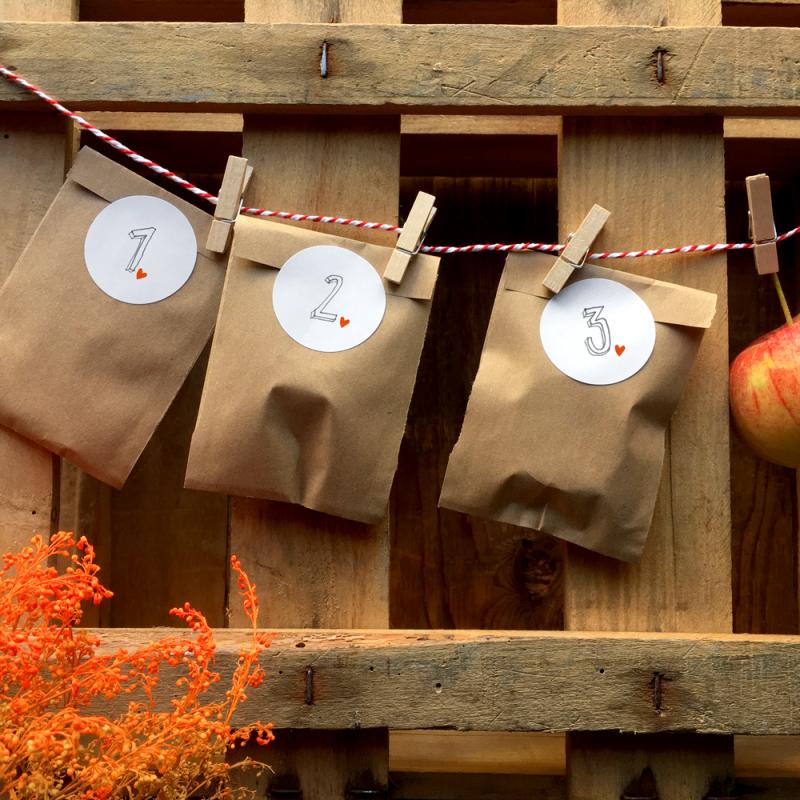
x=140 y=249
x=597 y=331
x=328 y=298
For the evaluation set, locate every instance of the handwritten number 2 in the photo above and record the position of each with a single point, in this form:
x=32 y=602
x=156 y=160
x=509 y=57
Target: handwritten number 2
x=319 y=312
x=145 y=236
x=594 y=320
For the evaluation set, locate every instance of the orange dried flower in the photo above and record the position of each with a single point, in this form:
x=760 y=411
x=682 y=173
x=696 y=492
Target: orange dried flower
x=54 y=741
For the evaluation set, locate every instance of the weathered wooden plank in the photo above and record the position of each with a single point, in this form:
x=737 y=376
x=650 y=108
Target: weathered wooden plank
x=400 y=68
x=36 y=148
x=168 y=543
x=38 y=10
x=662 y=179
x=464 y=752
x=764 y=520
x=448 y=569
x=166 y=121
x=317 y=570
x=467 y=752
x=507 y=681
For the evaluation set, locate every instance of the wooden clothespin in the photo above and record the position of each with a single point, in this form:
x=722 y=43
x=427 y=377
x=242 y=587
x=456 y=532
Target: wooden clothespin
x=234 y=183
x=411 y=238
x=762 y=224
x=574 y=254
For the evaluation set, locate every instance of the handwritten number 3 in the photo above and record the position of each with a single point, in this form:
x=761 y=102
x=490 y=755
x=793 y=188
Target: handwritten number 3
x=319 y=312
x=594 y=320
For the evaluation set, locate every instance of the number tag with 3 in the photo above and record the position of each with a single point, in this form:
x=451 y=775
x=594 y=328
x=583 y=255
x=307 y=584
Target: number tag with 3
x=328 y=298
x=597 y=331
x=140 y=249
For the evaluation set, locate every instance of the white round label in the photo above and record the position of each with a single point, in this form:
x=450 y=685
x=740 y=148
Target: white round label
x=140 y=249
x=328 y=298
x=597 y=331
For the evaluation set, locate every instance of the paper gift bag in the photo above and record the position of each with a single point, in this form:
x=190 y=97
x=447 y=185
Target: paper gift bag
x=103 y=316
x=293 y=409
x=565 y=428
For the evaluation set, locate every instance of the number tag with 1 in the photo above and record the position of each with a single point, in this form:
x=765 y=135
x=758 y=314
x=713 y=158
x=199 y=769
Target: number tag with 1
x=140 y=249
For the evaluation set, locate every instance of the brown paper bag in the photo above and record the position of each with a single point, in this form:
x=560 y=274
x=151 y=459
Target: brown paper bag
x=85 y=375
x=541 y=450
x=284 y=422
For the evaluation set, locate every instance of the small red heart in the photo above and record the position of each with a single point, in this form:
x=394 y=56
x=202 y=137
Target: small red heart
x=620 y=348
x=140 y=273
x=343 y=321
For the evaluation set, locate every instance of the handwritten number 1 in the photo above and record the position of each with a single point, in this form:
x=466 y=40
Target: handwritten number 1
x=145 y=236
x=319 y=312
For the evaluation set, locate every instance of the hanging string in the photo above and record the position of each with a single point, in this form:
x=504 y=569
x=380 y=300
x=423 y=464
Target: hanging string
x=358 y=223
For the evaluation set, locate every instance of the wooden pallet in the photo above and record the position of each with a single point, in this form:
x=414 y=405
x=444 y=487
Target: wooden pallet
x=669 y=160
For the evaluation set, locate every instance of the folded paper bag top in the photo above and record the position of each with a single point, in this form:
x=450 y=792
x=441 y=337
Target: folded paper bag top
x=288 y=415
x=84 y=374
x=569 y=458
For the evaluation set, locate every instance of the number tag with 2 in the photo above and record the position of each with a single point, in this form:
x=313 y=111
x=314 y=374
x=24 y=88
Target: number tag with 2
x=328 y=298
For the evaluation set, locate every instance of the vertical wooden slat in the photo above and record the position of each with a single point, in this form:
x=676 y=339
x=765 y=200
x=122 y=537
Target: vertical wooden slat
x=763 y=502
x=451 y=570
x=663 y=181
x=33 y=148
x=314 y=570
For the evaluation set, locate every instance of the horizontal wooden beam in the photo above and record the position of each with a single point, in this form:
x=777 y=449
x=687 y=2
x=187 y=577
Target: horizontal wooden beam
x=548 y=69
x=507 y=681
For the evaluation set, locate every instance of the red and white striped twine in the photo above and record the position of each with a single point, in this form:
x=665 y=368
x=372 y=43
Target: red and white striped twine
x=359 y=223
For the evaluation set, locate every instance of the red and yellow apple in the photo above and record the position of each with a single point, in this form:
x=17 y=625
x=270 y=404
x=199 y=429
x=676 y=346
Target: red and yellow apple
x=765 y=395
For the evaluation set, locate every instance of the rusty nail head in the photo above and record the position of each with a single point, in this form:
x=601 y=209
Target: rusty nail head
x=309 y=686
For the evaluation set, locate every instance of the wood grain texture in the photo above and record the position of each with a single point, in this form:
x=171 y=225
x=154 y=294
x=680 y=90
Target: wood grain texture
x=33 y=151
x=322 y=764
x=665 y=180
x=656 y=13
x=683 y=581
x=169 y=543
x=38 y=10
x=392 y=68
x=158 y=544
x=449 y=569
x=85 y=508
x=327 y=11
x=318 y=570
x=507 y=681
x=469 y=752
x=764 y=507
x=680 y=766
